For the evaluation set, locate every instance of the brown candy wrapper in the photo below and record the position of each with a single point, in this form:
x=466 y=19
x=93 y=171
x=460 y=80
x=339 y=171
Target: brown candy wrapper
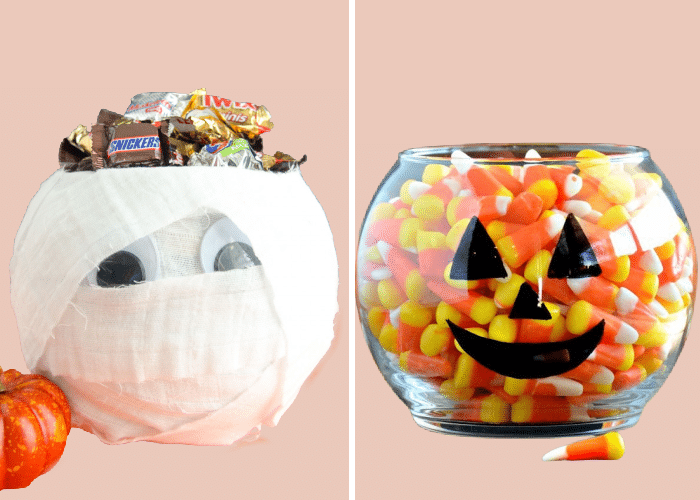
x=75 y=150
x=135 y=144
x=69 y=156
x=102 y=133
x=281 y=162
x=80 y=138
x=100 y=143
x=165 y=148
x=111 y=119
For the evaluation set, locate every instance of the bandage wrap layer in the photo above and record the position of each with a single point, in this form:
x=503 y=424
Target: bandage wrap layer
x=191 y=355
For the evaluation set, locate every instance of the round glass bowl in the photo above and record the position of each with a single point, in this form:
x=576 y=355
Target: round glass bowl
x=525 y=289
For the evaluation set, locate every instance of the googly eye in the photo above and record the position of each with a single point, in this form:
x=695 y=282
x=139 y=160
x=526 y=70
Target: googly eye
x=226 y=247
x=136 y=263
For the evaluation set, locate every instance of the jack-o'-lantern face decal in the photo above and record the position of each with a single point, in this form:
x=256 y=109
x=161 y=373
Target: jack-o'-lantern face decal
x=477 y=257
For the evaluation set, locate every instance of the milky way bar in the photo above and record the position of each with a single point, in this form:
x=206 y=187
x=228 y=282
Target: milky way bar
x=135 y=144
x=155 y=106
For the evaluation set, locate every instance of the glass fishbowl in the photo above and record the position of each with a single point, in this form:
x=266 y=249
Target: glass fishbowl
x=523 y=290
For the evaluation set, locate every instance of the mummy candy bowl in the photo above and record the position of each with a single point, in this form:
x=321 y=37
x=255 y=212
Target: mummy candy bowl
x=525 y=290
x=175 y=304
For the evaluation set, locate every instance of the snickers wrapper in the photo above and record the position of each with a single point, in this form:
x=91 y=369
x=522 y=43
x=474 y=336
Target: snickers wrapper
x=135 y=144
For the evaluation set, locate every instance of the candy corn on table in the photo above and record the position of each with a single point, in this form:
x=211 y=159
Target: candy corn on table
x=525 y=290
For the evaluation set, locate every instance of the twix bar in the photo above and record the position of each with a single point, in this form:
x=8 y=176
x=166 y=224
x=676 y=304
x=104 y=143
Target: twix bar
x=241 y=117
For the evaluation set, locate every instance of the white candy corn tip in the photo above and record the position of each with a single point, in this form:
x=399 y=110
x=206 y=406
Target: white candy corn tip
x=626 y=334
x=579 y=414
x=577 y=285
x=531 y=154
x=572 y=185
x=502 y=204
x=461 y=160
x=625 y=301
x=658 y=309
x=453 y=184
x=684 y=285
x=458 y=154
x=383 y=248
x=466 y=193
x=579 y=208
x=593 y=216
x=651 y=263
x=605 y=376
x=556 y=454
x=555 y=223
x=417 y=188
x=669 y=292
x=381 y=273
x=687 y=268
x=394 y=316
x=564 y=386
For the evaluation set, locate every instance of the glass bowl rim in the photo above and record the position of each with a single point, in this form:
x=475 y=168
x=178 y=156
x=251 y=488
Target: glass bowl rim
x=616 y=152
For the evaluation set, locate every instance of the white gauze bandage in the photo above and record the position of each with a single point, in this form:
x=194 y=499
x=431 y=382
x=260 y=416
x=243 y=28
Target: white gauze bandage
x=192 y=354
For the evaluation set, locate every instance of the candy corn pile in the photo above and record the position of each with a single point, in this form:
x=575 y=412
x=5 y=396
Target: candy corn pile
x=640 y=279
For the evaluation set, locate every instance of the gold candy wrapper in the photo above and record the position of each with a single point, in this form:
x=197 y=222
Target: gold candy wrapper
x=183 y=147
x=210 y=128
x=213 y=114
x=80 y=138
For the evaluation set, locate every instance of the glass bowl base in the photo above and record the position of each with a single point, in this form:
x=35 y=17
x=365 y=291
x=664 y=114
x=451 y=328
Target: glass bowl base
x=543 y=430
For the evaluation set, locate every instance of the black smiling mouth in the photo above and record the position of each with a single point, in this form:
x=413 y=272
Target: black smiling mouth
x=573 y=257
x=528 y=360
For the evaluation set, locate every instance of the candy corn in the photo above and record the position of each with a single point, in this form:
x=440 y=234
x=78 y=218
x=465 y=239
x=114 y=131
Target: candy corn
x=606 y=447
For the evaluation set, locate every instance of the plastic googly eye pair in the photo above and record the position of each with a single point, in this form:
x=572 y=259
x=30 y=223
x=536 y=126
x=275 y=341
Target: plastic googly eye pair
x=224 y=247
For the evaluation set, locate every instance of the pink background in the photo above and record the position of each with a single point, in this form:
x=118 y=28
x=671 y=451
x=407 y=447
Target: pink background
x=426 y=74
x=437 y=73
x=61 y=65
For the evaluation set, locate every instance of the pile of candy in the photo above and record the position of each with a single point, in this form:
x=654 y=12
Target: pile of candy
x=170 y=129
x=593 y=239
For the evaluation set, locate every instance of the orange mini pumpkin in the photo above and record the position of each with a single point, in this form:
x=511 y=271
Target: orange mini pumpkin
x=35 y=419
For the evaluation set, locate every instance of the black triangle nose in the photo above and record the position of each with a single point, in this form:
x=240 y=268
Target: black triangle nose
x=527 y=305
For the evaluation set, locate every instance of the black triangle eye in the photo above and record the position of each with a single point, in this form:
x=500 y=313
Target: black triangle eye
x=527 y=305
x=573 y=256
x=476 y=257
